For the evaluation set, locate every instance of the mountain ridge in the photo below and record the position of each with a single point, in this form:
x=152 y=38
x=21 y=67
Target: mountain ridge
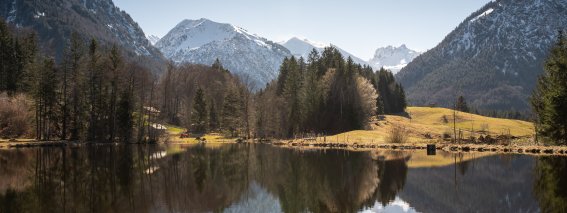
x=55 y=21
x=202 y=41
x=392 y=58
x=492 y=58
x=302 y=47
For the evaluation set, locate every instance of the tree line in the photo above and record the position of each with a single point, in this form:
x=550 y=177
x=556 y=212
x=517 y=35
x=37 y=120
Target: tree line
x=95 y=93
x=325 y=94
x=549 y=99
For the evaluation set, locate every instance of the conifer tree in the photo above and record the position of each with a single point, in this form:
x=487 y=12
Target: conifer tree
x=124 y=119
x=232 y=111
x=45 y=94
x=549 y=100
x=462 y=104
x=199 y=114
x=213 y=117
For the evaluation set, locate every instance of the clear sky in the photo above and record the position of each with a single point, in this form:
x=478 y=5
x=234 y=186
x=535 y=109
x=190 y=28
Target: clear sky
x=358 y=26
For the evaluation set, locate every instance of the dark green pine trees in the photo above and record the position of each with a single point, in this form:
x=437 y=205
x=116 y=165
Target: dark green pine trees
x=391 y=95
x=232 y=111
x=549 y=100
x=462 y=104
x=199 y=116
x=326 y=94
x=16 y=56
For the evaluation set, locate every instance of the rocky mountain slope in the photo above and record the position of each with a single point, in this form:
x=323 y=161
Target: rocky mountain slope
x=493 y=57
x=55 y=20
x=153 y=39
x=202 y=41
x=392 y=58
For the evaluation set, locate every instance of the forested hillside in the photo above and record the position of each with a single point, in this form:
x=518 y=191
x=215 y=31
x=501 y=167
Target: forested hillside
x=54 y=22
x=492 y=58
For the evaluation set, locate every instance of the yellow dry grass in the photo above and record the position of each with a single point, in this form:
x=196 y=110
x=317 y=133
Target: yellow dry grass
x=420 y=159
x=174 y=133
x=434 y=122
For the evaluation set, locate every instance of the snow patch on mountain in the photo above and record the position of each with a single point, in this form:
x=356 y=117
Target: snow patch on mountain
x=485 y=13
x=12 y=14
x=497 y=53
x=301 y=47
x=392 y=58
x=202 y=41
x=153 y=39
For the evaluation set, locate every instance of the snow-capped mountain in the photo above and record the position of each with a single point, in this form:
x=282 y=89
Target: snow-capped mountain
x=302 y=47
x=493 y=57
x=392 y=58
x=153 y=39
x=54 y=21
x=202 y=41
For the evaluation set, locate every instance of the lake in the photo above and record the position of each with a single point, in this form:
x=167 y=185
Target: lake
x=264 y=178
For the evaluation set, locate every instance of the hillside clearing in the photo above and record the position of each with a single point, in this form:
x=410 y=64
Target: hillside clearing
x=428 y=124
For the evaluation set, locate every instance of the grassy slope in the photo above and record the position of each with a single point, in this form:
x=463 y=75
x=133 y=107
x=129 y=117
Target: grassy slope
x=175 y=133
x=427 y=120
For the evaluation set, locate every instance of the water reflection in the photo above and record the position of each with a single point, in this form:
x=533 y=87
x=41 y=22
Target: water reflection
x=260 y=178
x=551 y=184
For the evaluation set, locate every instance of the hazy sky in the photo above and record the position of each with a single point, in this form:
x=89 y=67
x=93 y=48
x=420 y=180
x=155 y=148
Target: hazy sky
x=358 y=26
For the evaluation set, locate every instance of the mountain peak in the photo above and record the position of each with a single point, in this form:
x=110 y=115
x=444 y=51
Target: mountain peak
x=496 y=53
x=301 y=47
x=392 y=58
x=202 y=41
x=153 y=39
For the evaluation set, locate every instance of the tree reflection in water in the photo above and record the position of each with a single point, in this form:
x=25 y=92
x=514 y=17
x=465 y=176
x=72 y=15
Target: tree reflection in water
x=251 y=178
x=550 y=185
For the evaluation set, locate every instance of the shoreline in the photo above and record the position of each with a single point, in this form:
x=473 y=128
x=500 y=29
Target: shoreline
x=537 y=150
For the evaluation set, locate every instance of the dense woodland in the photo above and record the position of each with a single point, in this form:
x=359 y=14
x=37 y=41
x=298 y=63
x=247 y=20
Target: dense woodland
x=94 y=93
x=549 y=100
x=325 y=94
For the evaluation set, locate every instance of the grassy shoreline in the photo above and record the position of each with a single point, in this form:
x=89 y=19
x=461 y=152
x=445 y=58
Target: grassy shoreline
x=422 y=126
x=539 y=150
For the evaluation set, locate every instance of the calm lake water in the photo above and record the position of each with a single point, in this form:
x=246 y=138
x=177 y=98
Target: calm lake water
x=262 y=178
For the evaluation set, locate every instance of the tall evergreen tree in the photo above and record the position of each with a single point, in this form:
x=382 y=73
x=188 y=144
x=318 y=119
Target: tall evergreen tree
x=232 y=111
x=124 y=119
x=462 y=104
x=391 y=95
x=199 y=114
x=213 y=117
x=45 y=93
x=94 y=91
x=549 y=100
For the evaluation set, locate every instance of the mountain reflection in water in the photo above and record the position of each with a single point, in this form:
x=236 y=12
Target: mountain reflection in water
x=263 y=178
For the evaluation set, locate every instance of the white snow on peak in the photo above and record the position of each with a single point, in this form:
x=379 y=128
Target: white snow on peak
x=485 y=13
x=192 y=34
x=153 y=39
x=301 y=47
x=393 y=58
x=203 y=41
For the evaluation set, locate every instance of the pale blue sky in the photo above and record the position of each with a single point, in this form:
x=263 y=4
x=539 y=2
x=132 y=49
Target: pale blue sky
x=358 y=26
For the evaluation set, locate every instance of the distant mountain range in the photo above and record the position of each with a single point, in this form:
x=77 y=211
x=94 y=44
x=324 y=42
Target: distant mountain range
x=392 y=58
x=248 y=55
x=492 y=58
x=55 y=20
x=302 y=48
x=203 y=41
x=193 y=41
